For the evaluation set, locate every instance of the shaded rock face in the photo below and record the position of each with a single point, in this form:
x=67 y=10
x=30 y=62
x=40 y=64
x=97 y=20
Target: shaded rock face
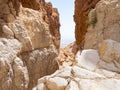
x=27 y=50
x=82 y=8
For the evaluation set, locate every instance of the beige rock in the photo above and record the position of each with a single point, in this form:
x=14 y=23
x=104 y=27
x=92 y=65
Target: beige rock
x=40 y=87
x=9 y=48
x=20 y=70
x=103 y=84
x=109 y=51
x=107 y=25
x=56 y=83
x=72 y=86
x=88 y=59
x=6 y=9
x=81 y=79
x=6 y=30
x=31 y=55
x=31 y=30
x=3 y=1
x=39 y=63
x=83 y=73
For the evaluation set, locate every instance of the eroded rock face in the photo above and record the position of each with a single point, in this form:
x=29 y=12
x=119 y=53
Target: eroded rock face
x=82 y=8
x=97 y=68
x=107 y=25
x=50 y=15
x=27 y=50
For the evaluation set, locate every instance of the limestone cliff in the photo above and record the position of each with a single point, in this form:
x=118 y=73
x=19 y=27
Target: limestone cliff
x=28 y=30
x=82 y=8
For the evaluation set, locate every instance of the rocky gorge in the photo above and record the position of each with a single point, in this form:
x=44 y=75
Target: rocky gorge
x=30 y=53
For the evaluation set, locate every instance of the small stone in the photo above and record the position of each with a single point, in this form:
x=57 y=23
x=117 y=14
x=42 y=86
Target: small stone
x=57 y=83
x=7 y=30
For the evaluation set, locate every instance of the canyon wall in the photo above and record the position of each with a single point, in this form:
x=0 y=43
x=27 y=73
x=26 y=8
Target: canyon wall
x=82 y=8
x=29 y=42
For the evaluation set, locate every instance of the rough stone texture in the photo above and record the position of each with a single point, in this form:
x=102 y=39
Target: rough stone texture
x=82 y=8
x=107 y=25
x=50 y=15
x=56 y=83
x=13 y=73
x=27 y=50
x=10 y=9
x=66 y=55
x=31 y=30
x=109 y=51
x=39 y=63
x=81 y=76
x=53 y=21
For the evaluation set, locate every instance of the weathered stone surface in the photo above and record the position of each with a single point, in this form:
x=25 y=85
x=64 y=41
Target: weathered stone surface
x=67 y=55
x=30 y=53
x=40 y=63
x=13 y=73
x=109 y=51
x=54 y=25
x=6 y=30
x=82 y=76
x=31 y=30
x=88 y=59
x=20 y=75
x=56 y=83
x=49 y=14
x=107 y=25
x=82 y=8
x=72 y=86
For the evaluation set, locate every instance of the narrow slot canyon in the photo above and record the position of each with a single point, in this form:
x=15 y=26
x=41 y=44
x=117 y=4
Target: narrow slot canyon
x=59 y=45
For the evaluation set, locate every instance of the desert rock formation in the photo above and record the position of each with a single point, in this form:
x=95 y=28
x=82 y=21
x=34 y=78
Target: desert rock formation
x=97 y=66
x=28 y=42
